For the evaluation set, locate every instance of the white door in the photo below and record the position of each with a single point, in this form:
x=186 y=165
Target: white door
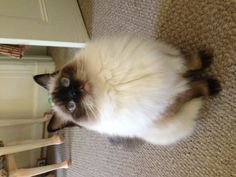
x=42 y=22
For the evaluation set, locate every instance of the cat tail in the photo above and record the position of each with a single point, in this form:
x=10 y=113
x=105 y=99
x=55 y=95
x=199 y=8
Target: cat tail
x=172 y=129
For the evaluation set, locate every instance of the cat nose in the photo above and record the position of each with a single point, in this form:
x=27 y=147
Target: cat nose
x=73 y=94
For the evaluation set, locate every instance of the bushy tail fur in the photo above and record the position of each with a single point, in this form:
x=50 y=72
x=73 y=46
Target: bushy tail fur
x=172 y=129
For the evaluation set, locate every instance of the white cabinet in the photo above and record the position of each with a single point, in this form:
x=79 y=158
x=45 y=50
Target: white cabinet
x=20 y=98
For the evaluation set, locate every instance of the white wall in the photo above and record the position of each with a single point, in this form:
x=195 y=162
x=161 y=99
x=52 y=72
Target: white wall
x=36 y=50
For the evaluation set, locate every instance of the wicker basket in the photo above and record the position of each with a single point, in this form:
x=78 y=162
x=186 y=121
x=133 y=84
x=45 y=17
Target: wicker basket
x=3 y=171
x=14 y=51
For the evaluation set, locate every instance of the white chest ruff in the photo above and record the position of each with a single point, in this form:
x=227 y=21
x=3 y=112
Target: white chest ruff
x=121 y=124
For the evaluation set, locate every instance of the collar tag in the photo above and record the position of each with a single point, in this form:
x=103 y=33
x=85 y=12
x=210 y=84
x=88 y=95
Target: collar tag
x=50 y=100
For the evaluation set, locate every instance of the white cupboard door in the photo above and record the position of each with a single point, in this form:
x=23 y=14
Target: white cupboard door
x=42 y=22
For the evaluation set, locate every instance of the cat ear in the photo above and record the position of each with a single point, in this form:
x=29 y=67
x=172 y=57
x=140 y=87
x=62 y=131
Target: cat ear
x=57 y=124
x=43 y=80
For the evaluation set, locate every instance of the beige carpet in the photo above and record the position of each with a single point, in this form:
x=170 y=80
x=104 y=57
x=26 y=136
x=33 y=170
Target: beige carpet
x=191 y=24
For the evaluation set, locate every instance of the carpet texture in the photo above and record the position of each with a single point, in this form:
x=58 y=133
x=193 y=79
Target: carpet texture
x=190 y=24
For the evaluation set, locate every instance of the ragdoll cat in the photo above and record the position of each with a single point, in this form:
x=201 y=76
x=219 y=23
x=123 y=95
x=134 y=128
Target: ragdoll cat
x=130 y=87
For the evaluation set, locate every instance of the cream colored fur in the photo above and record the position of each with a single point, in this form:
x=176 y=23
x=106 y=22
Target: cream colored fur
x=133 y=82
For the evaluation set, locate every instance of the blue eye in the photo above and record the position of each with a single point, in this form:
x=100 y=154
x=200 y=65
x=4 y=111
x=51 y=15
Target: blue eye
x=71 y=106
x=65 y=82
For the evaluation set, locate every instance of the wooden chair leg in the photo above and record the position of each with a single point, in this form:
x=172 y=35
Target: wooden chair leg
x=38 y=170
x=30 y=144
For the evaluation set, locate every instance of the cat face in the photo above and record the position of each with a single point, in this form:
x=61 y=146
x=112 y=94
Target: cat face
x=70 y=92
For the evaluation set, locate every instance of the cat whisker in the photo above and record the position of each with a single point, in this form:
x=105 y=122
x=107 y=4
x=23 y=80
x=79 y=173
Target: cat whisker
x=89 y=108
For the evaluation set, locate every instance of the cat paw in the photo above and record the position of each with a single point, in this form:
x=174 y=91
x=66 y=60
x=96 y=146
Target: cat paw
x=213 y=86
x=206 y=58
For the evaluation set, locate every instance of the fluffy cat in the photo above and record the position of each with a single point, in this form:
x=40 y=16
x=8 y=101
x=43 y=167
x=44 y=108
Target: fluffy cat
x=130 y=87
